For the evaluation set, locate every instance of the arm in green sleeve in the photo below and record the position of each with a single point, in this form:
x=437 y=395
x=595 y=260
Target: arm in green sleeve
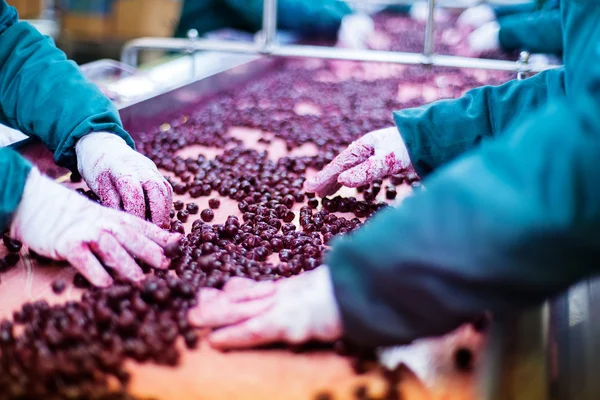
x=44 y=95
x=306 y=17
x=437 y=133
x=14 y=170
x=502 y=227
x=538 y=32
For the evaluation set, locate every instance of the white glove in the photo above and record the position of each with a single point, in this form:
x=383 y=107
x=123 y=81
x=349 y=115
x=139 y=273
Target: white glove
x=476 y=16
x=485 y=38
x=292 y=310
x=355 y=31
x=123 y=178
x=373 y=156
x=61 y=224
x=419 y=11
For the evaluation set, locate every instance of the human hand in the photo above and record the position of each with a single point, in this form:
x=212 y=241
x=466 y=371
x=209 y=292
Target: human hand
x=476 y=16
x=485 y=38
x=355 y=31
x=58 y=223
x=123 y=178
x=373 y=156
x=292 y=310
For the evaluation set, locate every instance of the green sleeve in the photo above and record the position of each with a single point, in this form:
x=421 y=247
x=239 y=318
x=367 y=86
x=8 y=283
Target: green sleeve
x=44 y=95
x=306 y=17
x=538 y=32
x=14 y=170
x=437 y=133
x=500 y=228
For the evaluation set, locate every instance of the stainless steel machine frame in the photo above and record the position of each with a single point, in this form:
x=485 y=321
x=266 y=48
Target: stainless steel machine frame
x=265 y=44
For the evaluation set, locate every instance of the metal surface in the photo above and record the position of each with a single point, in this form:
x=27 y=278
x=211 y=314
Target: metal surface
x=269 y=27
x=154 y=110
x=131 y=50
x=429 y=30
x=517 y=357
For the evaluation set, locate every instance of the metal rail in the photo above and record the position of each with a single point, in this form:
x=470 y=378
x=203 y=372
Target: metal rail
x=131 y=51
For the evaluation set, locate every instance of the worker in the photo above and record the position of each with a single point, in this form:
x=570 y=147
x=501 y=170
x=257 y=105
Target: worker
x=510 y=215
x=534 y=27
x=309 y=18
x=44 y=95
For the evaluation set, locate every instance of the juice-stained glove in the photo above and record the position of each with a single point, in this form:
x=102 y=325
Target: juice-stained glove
x=485 y=38
x=123 y=178
x=292 y=310
x=373 y=156
x=61 y=224
x=476 y=16
x=355 y=31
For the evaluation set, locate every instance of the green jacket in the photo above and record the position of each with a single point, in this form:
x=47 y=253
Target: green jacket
x=305 y=17
x=45 y=96
x=511 y=211
x=527 y=27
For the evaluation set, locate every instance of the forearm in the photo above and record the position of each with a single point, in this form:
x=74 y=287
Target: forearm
x=437 y=133
x=14 y=170
x=44 y=95
x=502 y=228
x=538 y=32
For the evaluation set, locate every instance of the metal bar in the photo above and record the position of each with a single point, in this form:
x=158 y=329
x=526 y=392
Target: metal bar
x=269 y=24
x=130 y=51
x=428 y=48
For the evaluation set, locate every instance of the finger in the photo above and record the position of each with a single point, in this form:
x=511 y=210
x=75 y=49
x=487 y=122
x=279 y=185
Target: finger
x=115 y=256
x=159 y=236
x=372 y=169
x=241 y=290
x=140 y=246
x=159 y=202
x=329 y=189
x=132 y=196
x=219 y=311
x=84 y=261
x=107 y=192
x=356 y=153
x=254 y=332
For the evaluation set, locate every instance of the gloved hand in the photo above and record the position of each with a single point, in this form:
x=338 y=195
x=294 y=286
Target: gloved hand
x=58 y=223
x=373 y=156
x=419 y=11
x=355 y=31
x=292 y=310
x=123 y=178
x=476 y=16
x=485 y=38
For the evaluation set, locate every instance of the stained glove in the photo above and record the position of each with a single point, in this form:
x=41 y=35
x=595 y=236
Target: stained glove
x=123 y=178
x=374 y=156
x=485 y=38
x=476 y=16
x=355 y=31
x=58 y=223
x=292 y=310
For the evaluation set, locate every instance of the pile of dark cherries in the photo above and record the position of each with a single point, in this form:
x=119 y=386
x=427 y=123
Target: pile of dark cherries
x=75 y=349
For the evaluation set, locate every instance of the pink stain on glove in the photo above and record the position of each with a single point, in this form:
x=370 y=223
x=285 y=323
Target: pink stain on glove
x=123 y=178
x=374 y=156
x=58 y=223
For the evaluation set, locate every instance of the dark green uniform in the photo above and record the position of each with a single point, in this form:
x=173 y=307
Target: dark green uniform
x=305 y=17
x=524 y=27
x=511 y=211
x=45 y=96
